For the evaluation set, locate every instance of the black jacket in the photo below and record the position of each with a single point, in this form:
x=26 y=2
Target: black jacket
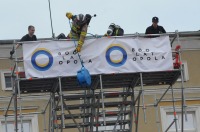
x=28 y=38
x=152 y=30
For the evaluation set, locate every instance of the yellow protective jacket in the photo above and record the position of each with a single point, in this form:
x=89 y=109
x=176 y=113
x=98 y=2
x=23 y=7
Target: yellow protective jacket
x=78 y=32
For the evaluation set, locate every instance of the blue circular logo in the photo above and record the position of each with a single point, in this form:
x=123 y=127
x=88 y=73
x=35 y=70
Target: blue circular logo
x=44 y=66
x=118 y=62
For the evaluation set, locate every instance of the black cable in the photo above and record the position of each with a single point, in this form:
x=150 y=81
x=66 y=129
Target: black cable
x=51 y=19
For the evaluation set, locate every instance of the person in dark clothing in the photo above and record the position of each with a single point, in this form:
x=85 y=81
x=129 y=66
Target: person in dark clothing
x=155 y=28
x=30 y=36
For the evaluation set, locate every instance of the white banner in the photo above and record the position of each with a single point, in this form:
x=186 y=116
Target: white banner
x=101 y=56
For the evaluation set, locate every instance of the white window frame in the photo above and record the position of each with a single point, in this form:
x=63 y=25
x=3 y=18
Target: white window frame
x=165 y=109
x=110 y=118
x=185 y=72
x=3 y=81
x=32 y=118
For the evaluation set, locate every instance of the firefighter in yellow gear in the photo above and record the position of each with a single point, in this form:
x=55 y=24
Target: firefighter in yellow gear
x=79 y=28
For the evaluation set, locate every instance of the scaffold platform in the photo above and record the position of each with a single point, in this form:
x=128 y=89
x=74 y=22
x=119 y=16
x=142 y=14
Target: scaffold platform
x=108 y=81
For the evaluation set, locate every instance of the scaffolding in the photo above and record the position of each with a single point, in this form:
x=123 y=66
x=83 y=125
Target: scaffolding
x=90 y=115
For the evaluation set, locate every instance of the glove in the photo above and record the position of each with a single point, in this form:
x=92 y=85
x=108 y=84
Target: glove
x=69 y=15
x=79 y=46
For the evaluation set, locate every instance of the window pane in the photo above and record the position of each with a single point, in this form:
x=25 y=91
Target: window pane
x=8 y=81
x=11 y=127
x=170 y=119
x=189 y=124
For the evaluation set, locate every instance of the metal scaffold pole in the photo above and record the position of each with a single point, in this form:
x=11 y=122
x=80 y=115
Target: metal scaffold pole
x=88 y=109
x=15 y=97
x=44 y=114
x=143 y=104
x=97 y=115
x=183 y=104
x=18 y=91
x=15 y=111
x=84 y=110
x=53 y=36
x=20 y=109
x=132 y=109
x=102 y=100
x=50 y=115
x=174 y=109
x=49 y=126
x=44 y=122
x=138 y=110
x=123 y=116
x=92 y=110
x=62 y=107
x=6 y=127
x=54 y=120
x=157 y=115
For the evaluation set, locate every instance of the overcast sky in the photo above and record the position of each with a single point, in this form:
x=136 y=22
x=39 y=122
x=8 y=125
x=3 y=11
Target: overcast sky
x=132 y=15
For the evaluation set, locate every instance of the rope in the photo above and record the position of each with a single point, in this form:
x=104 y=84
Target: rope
x=95 y=36
x=75 y=47
x=51 y=18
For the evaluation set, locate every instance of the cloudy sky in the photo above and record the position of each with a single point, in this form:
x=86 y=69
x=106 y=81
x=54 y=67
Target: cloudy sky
x=132 y=15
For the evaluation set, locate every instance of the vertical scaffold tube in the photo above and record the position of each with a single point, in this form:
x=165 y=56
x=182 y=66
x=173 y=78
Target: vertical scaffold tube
x=15 y=99
x=18 y=88
x=132 y=108
x=44 y=121
x=61 y=99
x=143 y=105
x=6 y=127
x=157 y=115
x=174 y=109
x=16 y=92
x=102 y=100
x=183 y=104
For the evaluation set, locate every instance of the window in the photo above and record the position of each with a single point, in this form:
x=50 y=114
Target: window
x=30 y=124
x=185 y=72
x=111 y=127
x=6 y=80
x=190 y=125
x=10 y=126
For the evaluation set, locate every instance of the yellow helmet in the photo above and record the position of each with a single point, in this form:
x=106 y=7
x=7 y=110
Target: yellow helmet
x=69 y=15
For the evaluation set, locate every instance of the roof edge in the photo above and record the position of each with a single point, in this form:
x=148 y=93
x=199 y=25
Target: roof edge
x=171 y=34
